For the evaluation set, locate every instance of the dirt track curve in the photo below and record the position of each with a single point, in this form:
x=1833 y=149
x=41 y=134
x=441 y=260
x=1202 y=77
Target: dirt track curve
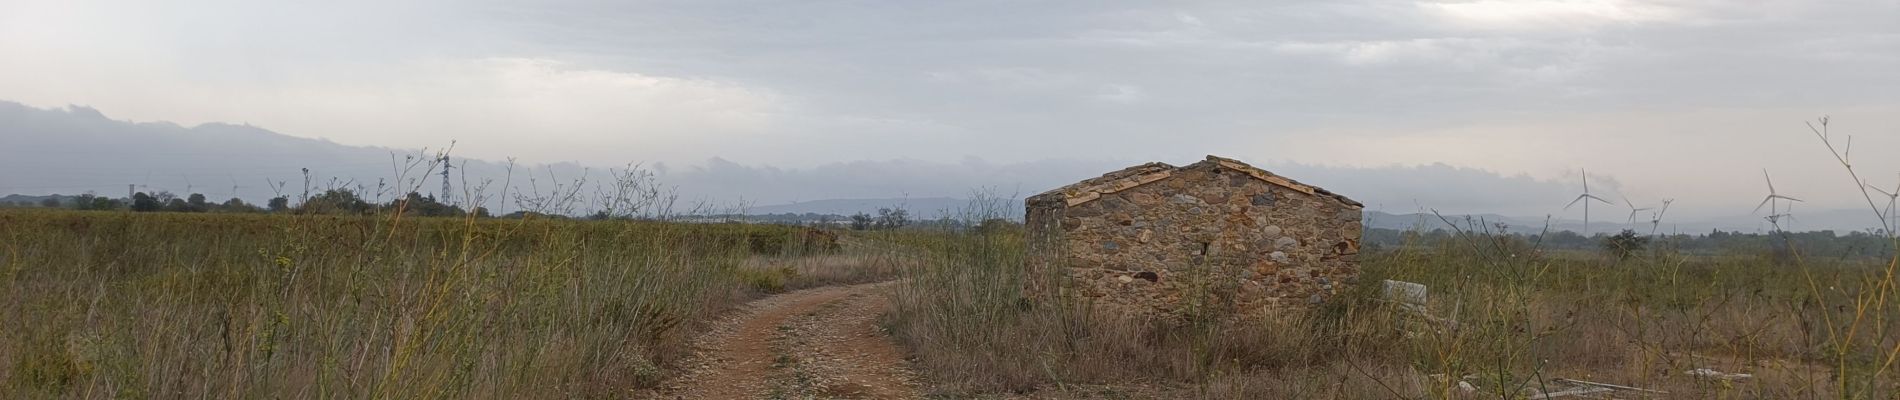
x=814 y=343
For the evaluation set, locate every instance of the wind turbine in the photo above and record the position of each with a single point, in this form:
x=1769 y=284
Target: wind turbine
x=235 y=187
x=1634 y=209
x=1584 y=198
x=1772 y=196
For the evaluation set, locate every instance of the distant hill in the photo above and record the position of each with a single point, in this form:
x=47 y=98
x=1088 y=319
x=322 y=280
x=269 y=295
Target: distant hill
x=78 y=150
x=75 y=150
x=20 y=199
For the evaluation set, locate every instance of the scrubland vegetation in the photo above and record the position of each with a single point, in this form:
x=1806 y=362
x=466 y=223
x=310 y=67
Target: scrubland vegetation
x=1504 y=317
x=115 y=304
x=110 y=304
x=106 y=304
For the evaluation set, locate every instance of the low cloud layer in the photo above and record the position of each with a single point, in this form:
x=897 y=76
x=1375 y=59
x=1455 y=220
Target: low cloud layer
x=803 y=84
x=1683 y=99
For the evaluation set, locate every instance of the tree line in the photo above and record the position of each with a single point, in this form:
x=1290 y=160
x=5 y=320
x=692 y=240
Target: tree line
x=333 y=202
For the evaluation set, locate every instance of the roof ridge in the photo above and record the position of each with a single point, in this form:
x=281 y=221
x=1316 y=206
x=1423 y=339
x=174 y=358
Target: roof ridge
x=1277 y=179
x=1142 y=174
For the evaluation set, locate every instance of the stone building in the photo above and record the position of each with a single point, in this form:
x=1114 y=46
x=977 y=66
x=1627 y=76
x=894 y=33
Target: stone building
x=1215 y=234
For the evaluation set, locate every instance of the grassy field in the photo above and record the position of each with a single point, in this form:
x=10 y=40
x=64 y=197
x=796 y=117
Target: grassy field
x=1504 y=318
x=156 y=305
x=143 y=305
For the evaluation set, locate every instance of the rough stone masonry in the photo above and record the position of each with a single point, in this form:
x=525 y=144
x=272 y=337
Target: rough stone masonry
x=1217 y=234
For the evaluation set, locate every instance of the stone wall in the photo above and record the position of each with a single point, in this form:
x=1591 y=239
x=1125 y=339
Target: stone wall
x=1214 y=234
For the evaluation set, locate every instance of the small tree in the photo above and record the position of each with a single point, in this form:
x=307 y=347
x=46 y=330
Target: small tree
x=196 y=203
x=50 y=202
x=417 y=204
x=177 y=205
x=892 y=218
x=278 y=204
x=335 y=201
x=1625 y=244
x=236 y=205
x=861 y=221
x=142 y=202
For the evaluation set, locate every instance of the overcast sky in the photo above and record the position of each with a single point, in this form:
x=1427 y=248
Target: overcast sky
x=1681 y=99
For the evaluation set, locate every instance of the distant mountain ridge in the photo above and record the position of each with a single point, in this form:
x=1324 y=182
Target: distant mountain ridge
x=76 y=150
x=32 y=200
x=1841 y=221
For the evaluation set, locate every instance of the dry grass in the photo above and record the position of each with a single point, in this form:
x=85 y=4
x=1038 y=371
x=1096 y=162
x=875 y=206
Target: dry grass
x=101 y=304
x=1523 y=319
x=248 y=306
x=129 y=305
x=1505 y=320
x=779 y=274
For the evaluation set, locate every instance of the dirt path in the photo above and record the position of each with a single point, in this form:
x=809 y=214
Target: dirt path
x=814 y=343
